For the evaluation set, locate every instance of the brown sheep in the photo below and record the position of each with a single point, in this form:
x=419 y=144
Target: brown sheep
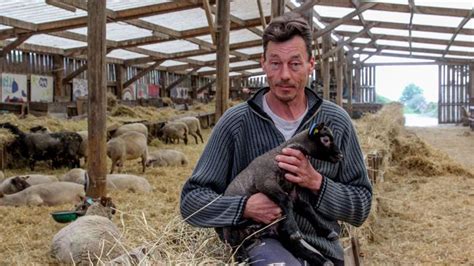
x=131 y=145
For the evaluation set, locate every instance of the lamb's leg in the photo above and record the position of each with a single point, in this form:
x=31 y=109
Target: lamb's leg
x=272 y=190
x=195 y=137
x=308 y=212
x=144 y=162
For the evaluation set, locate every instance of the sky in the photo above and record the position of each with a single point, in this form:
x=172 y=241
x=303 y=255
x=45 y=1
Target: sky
x=390 y=81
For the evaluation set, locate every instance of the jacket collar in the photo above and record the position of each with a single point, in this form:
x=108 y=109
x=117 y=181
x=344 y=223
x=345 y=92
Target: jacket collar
x=314 y=102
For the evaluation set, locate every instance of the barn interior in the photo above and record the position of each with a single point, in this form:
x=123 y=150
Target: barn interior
x=153 y=61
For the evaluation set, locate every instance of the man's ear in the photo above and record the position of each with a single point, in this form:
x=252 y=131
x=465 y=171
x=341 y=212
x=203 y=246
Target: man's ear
x=262 y=62
x=311 y=64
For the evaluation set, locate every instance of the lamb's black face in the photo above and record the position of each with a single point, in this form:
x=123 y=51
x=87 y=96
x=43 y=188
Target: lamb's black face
x=326 y=149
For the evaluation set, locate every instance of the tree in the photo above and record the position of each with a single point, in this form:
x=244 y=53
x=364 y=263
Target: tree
x=410 y=91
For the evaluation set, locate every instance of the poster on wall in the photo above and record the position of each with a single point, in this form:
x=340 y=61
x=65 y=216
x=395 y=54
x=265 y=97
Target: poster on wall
x=79 y=88
x=13 y=88
x=142 y=91
x=153 y=91
x=128 y=93
x=41 y=88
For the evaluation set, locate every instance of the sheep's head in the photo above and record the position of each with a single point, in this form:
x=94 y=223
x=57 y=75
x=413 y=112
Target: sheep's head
x=323 y=141
x=19 y=183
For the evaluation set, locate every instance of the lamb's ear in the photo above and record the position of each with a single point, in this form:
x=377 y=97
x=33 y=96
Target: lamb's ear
x=314 y=129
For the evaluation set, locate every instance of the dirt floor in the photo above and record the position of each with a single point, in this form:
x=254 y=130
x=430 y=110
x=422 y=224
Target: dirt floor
x=427 y=219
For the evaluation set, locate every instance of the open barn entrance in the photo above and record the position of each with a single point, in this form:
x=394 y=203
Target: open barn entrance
x=414 y=85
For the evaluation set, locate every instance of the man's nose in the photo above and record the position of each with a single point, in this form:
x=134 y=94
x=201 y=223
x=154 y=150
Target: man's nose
x=285 y=72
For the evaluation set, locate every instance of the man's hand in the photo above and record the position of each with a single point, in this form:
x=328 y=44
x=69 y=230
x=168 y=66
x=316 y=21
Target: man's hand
x=261 y=209
x=300 y=171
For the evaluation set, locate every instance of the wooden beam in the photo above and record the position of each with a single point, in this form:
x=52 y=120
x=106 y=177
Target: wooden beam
x=74 y=73
x=58 y=74
x=6 y=49
x=205 y=86
x=210 y=20
x=142 y=73
x=411 y=3
x=427 y=10
x=61 y=5
x=346 y=42
x=344 y=19
x=97 y=96
x=262 y=16
x=232 y=69
x=278 y=8
x=339 y=76
x=222 y=85
x=421 y=50
x=16 y=23
x=460 y=26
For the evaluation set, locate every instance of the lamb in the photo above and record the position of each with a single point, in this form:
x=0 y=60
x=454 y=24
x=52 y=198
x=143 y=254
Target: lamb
x=89 y=238
x=263 y=175
x=166 y=157
x=127 y=182
x=194 y=127
x=13 y=184
x=49 y=194
x=131 y=145
x=174 y=130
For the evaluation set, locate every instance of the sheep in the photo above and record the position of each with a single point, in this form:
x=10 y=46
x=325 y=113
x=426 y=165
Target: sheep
x=166 y=157
x=89 y=238
x=12 y=184
x=263 y=175
x=138 y=127
x=194 y=127
x=174 y=130
x=128 y=182
x=83 y=148
x=131 y=145
x=49 y=194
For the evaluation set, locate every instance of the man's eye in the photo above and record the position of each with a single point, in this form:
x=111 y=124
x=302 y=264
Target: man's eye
x=295 y=65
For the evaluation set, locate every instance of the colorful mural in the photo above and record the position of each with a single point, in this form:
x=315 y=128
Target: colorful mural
x=129 y=93
x=14 y=88
x=153 y=91
x=142 y=90
x=41 y=88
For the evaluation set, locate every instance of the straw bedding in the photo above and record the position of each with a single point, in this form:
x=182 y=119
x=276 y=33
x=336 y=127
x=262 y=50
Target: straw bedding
x=423 y=212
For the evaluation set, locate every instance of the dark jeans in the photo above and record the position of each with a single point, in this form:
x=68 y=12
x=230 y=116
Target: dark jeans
x=270 y=250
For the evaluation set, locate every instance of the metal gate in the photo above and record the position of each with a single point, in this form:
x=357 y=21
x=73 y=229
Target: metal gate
x=453 y=92
x=366 y=90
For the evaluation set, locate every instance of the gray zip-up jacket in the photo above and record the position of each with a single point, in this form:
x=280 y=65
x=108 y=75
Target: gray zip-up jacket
x=245 y=132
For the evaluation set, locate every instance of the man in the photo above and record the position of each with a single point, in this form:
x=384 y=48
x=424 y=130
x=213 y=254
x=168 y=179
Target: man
x=338 y=192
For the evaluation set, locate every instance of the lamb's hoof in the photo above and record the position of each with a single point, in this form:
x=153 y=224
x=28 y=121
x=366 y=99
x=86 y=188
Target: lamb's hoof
x=296 y=236
x=332 y=236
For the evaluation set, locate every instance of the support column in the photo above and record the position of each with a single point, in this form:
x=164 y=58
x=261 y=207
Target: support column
x=340 y=76
x=325 y=67
x=97 y=84
x=120 y=74
x=223 y=27
x=58 y=72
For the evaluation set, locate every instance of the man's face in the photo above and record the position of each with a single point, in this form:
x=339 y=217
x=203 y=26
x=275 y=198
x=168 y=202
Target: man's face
x=287 y=67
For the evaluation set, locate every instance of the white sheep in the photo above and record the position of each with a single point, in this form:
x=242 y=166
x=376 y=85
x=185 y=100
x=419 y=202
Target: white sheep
x=137 y=127
x=50 y=194
x=194 y=127
x=131 y=145
x=89 y=238
x=9 y=186
x=166 y=157
x=127 y=182
x=174 y=130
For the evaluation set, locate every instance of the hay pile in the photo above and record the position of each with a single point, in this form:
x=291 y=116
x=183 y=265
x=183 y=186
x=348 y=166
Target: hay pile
x=400 y=215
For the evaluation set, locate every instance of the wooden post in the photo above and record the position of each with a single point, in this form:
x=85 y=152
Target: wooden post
x=278 y=8
x=58 y=72
x=120 y=74
x=223 y=26
x=97 y=84
x=350 y=82
x=325 y=67
x=340 y=76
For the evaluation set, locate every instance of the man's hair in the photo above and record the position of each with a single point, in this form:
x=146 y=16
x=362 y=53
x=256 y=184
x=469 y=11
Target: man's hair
x=285 y=27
